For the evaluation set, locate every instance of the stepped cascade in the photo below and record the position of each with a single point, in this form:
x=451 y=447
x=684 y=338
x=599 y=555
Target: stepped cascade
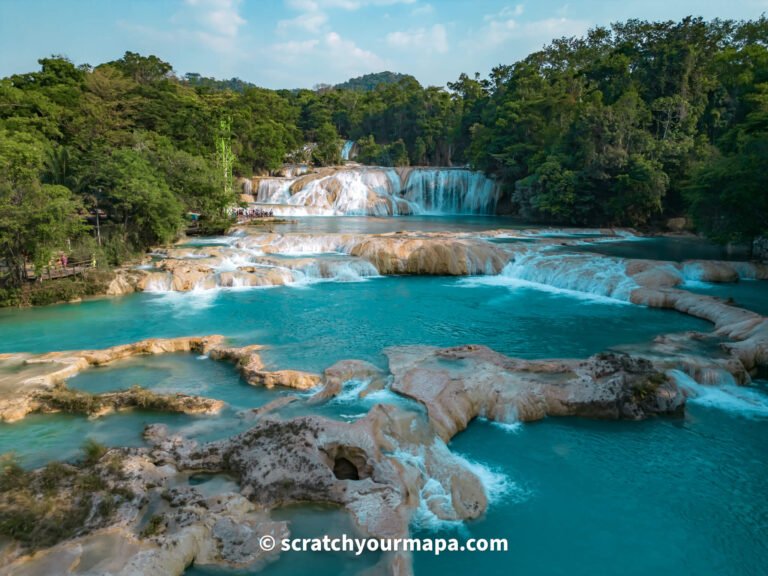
x=379 y=191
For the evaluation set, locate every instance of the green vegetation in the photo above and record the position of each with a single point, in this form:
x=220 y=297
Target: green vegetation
x=93 y=451
x=368 y=82
x=155 y=526
x=40 y=508
x=63 y=399
x=625 y=126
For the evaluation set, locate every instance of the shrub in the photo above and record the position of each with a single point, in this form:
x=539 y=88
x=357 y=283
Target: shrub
x=93 y=451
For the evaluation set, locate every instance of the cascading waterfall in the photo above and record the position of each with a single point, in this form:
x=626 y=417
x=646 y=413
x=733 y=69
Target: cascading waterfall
x=729 y=397
x=451 y=191
x=378 y=191
x=346 y=150
x=585 y=273
x=273 y=190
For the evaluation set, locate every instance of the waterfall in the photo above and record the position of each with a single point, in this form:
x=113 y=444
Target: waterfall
x=247 y=187
x=581 y=273
x=376 y=191
x=741 y=400
x=451 y=191
x=346 y=150
x=273 y=190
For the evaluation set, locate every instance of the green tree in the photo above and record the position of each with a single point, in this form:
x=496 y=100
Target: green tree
x=328 y=149
x=36 y=220
x=140 y=200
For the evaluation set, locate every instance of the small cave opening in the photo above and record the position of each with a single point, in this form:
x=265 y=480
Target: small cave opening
x=348 y=462
x=343 y=469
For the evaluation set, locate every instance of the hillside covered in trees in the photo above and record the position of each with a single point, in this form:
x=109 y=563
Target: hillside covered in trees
x=621 y=127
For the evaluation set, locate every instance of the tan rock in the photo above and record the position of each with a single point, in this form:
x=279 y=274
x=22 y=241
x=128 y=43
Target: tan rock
x=458 y=384
x=287 y=378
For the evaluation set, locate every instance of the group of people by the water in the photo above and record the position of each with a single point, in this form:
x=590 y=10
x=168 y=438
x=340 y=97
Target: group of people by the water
x=248 y=213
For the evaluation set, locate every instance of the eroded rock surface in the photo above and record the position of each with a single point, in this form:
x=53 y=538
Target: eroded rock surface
x=459 y=384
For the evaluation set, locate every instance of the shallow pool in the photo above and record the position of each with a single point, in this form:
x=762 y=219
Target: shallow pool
x=312 y=327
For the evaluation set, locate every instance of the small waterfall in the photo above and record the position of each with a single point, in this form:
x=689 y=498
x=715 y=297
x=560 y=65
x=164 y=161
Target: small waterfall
x=375 y=191
x=305 y=244
x=247 y=187
x=346 y=150
x=451 y=191
x=594 y=275
x=159 y=282
x=273 y=190
x=342 y=271
x=741 y=400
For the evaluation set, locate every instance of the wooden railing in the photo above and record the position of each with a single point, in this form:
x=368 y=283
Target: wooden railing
x=60 y=271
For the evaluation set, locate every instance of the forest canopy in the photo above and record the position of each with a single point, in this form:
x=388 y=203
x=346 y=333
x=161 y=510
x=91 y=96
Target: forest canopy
x=625 y=126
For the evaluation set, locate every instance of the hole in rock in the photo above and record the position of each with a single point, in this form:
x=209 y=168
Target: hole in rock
x=343 y=469
x=348 y=462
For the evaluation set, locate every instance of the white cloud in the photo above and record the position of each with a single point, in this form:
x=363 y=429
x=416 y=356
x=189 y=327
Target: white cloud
x=221 y=17
x=434 y=39
x=423 y=10
x=335 y=52
x=507 y=25
x=506 y=13
x=312 y=22
x=216 y=23
x=319 y=5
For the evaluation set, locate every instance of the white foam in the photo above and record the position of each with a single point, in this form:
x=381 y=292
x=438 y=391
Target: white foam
x=508 y=427
x=496 y=484
x=739 y=400
x=518 y=283
x=378 y=191
x=697 y=284
x=354 y=416
x=350 y=391
x=190 y=302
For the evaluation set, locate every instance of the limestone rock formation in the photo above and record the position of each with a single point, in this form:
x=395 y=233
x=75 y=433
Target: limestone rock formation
x=346 y=370
x=458 y=384
x=394 y=254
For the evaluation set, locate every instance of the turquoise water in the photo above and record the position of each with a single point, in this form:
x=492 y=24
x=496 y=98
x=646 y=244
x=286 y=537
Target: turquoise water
x=41 y=438
x=578 y=497
x=361 y=224
x=665 y=496
x=170 y=373
x=306 y=328
x=574 y=497
x=312 y=327
x=38 y=439
x=673 y=248
x=749 y=294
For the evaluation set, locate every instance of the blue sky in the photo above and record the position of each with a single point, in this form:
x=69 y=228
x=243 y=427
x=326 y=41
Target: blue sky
x=300 y=43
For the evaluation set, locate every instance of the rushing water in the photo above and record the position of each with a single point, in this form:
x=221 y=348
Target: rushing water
x=379 y=191
x=346 y=149
x=577 y=497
